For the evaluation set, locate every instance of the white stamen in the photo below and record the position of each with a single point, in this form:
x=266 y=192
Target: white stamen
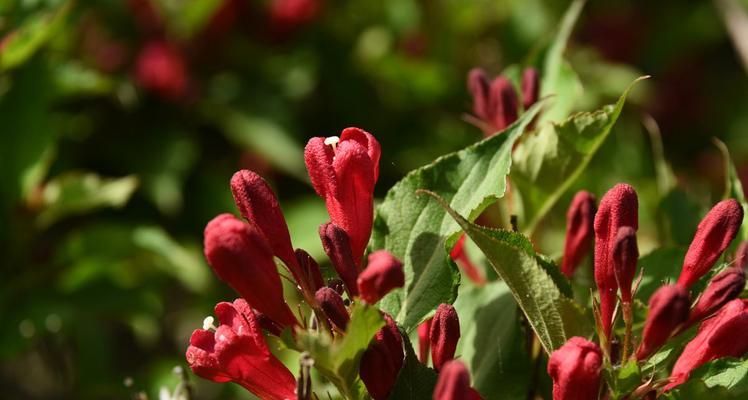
x=208 y=323
x=332 y=141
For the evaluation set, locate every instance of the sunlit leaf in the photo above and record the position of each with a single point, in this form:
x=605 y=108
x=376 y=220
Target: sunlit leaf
x=23 y=42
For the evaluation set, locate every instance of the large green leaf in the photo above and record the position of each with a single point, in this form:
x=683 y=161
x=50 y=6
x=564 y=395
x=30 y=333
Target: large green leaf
x=338 y=359
x=541 y=292
x=549 y=161
x=726 y=378
x=491 y=342
x=23 y=42
x=419 y=232
x=415 y=381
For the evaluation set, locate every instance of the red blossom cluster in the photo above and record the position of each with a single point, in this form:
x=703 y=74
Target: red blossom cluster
x=575 y=367
x=495 y=103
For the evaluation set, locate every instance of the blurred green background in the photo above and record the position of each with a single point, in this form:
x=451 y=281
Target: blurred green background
x=121 y=123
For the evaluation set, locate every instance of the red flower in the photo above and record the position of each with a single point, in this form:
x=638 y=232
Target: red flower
x=575 y=370
x=382 y=274
x=460 y=256
x=424 y=330
x=343 y=172
x=668 y=309
x=725 y=286
x=310 y=269
x=713 y=235
x=332 y=305
x=721 y=336
x=618 y=208
x=161 y=68
x=237 y=352
x=382 y=360
x=337 y=246
x=288 y=15
x=454 y=383
x=580 y=231
x=530 y=87
x=443 y=335
x=240 y=255
x=624 y=255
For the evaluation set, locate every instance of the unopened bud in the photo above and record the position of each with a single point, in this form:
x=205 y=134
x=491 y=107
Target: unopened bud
x=444 y=334
x=580 y=231
x=575 y=370
x=725 y=286
x=454 y=383
x=382 y=274
x=478 y=85
x=503 y=103
x=382 y=360
x=336 y=243
x=741 y=256
x=310 y=269
x=332 y=304
x=625 y=254
x=530 y=87
x=424 y=330
x=668 y=309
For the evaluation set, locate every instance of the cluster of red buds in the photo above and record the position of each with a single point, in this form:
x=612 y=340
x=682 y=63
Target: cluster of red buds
x=242 y=253
x=576 y=367
x=495 y=103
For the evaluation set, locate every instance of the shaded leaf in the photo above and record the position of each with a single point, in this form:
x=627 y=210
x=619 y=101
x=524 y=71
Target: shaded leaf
x=725 y=378
x=548 y=162
x=552 y=314
x=419 y=232
x=23 y=42
x=415 y=381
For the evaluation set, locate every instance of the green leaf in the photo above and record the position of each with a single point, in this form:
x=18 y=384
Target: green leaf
x=187 y=18
x=491 y=342
x=623 y=379
x=558 y=78
x=78 y=193
x=552 y=314
x=415 y=381
x=733 y=186
x=338 y=360
x=725 y=378
x=661 y=266
x=548 y=162
x=419 y=232
x=23 y=42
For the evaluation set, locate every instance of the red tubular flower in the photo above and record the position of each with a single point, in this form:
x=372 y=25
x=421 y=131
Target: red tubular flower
x=288 y=15
x=424 y=330
x=619 y=207
x=725 y=286
x=668 y=309
x=382 y=360
x=721 y=336
x=237 y=352
x=337 y=246
x=310 y=269
x=161 y=68
x=240 y=255
x=382 y=274
x=503 y=102
x=460 y=256
x=443 y=335
x=479 y=87
x=741 y=256
x=454 y=383
x=624 y=255
x=343 y=172
x=332 y=305
x=580 y=231
x=713 y=235
x=575 y=370
x=530 y=87
x=258 y=205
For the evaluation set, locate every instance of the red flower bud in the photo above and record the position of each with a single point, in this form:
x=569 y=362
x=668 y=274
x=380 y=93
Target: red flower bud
x=240 y=255
x=668 y=309
x=424 y=330
x=575 y=370
x=721 y=336
x=725 y=286
x=580 y=231
x=343 y=172
x=336 y=285
x=460 y=256
x=444 y=334
x=503 y=103
x=289 y=15
x=382 y=274
x=332 y=305
x=741 y=256
x=310 y=269
x=382 y=360
x=454 y=383
x=619 y=207
x=267 y=324
x=161 y=68
x=478 y=85
x=624 y=255
x=337 y=246
x=530 y=87
x=237 y=352
x=713 y=235
x=258 y=205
